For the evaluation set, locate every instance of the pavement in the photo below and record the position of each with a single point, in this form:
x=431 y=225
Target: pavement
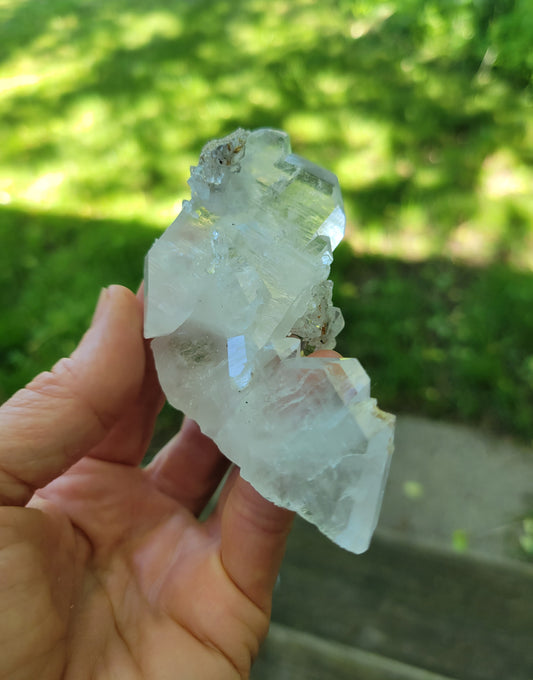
x=452 y=486
x=447 y=598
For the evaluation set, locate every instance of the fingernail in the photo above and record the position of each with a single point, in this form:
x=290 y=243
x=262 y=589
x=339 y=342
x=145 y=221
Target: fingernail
x=101 y=305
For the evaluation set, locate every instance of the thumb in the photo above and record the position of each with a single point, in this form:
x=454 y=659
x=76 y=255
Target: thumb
x=54 y=421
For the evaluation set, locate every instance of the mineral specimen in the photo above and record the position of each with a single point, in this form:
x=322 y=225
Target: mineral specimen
x=237 y=297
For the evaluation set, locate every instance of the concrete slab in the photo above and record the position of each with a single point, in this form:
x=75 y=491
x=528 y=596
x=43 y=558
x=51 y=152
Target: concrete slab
x=457 y=487
x=458 y=615
x=289 y=654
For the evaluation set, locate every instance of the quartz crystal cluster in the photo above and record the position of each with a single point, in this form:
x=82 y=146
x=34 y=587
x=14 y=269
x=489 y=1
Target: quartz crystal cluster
x=237 y=296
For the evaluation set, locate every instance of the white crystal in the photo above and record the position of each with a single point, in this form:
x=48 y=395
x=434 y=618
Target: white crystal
x=237 y=294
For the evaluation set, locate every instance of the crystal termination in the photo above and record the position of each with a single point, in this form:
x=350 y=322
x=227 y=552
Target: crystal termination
x=236 y=297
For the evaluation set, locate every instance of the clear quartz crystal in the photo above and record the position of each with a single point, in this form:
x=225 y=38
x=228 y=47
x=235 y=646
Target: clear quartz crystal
x=236 y=296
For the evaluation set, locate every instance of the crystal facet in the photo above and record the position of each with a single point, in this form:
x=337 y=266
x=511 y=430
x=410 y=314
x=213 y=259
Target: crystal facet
x=236 y=296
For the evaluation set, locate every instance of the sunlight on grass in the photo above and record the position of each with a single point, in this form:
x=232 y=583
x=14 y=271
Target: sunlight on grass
x=137 y=31
x=503 y=175
x=370 y=17
x=43 y=189
x=308 y=127
x=107 y=105
x=368 y=156
x=22 y=80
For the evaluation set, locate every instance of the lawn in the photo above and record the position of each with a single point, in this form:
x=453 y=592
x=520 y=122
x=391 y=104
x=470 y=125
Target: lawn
x=422 y=108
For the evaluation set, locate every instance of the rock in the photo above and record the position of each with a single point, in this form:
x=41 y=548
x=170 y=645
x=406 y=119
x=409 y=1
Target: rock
x=237 y=294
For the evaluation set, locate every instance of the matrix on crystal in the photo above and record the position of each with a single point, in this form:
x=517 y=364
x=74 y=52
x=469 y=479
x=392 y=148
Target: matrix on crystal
x=237 y=296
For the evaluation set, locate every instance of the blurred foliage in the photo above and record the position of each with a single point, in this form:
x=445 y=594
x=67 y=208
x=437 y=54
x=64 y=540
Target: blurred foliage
x=441 y=339
x=422 y=107
x=526 y=538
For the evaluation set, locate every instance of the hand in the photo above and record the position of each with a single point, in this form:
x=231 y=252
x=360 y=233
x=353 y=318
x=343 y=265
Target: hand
x=105 y=570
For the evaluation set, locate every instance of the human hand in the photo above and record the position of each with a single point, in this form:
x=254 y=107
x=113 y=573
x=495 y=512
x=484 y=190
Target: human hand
x=105 y=570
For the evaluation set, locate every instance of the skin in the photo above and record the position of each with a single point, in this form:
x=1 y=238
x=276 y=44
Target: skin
x=105 y=570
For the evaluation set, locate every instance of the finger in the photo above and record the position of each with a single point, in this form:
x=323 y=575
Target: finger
x=62 y=414
x=254 y=532
x=129 y=438
x=189 y=468
x=326 y=353
x=253 y=537
x=214 y=521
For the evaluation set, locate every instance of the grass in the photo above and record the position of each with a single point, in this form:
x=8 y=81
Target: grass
x=442 y=340
x=422 y=108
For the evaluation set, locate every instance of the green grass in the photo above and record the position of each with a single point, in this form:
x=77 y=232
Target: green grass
x=51 y=272
x=423 y=109
x=442 y=340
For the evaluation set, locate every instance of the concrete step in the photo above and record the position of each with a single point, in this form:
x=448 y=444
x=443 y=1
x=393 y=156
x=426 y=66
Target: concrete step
x=292 y=655
x=450 y=482
x=456 y=615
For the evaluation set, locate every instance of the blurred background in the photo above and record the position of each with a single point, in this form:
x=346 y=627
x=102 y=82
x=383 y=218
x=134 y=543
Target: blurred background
x=423 y=108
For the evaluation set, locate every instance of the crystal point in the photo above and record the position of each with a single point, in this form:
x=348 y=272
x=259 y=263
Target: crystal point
x=237 y=294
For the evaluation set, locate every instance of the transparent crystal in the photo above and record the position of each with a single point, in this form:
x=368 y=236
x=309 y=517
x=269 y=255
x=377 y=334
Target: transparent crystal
x=236 y=296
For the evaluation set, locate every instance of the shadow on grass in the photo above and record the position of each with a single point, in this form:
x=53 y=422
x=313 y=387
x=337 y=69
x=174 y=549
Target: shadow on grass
x=441 y=339
x=52 y=268
x=437 y=338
